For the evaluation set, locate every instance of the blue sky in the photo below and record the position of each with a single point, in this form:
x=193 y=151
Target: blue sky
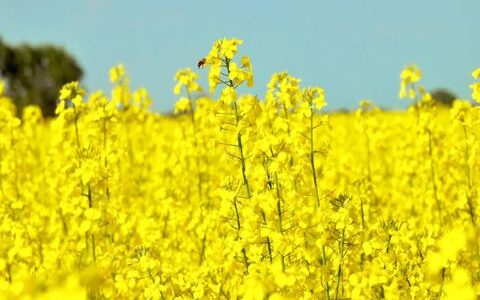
x=353 y=49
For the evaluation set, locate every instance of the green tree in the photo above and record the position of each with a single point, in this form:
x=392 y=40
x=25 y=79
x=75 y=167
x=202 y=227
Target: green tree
x=443 y=96
x=35 y=74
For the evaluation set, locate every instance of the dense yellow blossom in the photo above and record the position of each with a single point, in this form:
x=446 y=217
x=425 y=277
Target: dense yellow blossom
x=238 y=197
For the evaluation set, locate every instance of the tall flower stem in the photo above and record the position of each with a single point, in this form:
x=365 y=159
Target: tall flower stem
x=312 y=157
x=471 y=209
x=89 y=192
x=432 y=175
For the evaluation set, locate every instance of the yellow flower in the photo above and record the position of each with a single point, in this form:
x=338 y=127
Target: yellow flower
x=229 y=47
x=408 y=77
x=117 y=73
x=188 y=78
x=228 y=95
x=476 y=73
x=183 y=105
x=411 y=74
x=71 y=91
x=475 y=91
x=214 y=77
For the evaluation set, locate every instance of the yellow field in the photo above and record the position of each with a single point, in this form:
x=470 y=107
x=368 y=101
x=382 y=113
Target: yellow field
x=238 y=197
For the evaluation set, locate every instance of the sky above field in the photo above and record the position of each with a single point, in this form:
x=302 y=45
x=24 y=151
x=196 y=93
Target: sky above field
x=351 y=49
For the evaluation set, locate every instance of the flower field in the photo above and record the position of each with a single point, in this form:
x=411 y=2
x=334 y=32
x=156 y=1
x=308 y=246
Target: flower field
x=239 y=197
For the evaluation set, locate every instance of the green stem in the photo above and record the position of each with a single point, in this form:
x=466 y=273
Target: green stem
x=432 y=174
x=89 y=192
x=471 y=209
x=231 y=84
x=324 y=263
x=312 y=158
x=441 y=284
x=279 y=205
x=92 y=236
x=339 y=270
x=75 y=119
x=269 y=247
x=107 y=189
x=202 y=252
x=269 y=187
x=239 y=135
x=237 y=215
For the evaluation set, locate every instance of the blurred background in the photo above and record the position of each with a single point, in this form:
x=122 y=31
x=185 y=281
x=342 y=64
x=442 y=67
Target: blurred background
x=351 y=49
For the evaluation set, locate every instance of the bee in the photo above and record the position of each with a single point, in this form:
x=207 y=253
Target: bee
x=201 y=62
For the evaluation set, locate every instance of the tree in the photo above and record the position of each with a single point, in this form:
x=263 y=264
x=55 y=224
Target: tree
x=443 y=96
x=35 y=74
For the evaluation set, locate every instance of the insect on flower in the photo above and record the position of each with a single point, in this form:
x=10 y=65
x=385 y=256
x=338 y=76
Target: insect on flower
x=201 y=62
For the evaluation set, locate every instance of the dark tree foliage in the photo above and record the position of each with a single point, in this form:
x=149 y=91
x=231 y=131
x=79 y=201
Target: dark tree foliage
x=443 y=96
x=35 y=74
